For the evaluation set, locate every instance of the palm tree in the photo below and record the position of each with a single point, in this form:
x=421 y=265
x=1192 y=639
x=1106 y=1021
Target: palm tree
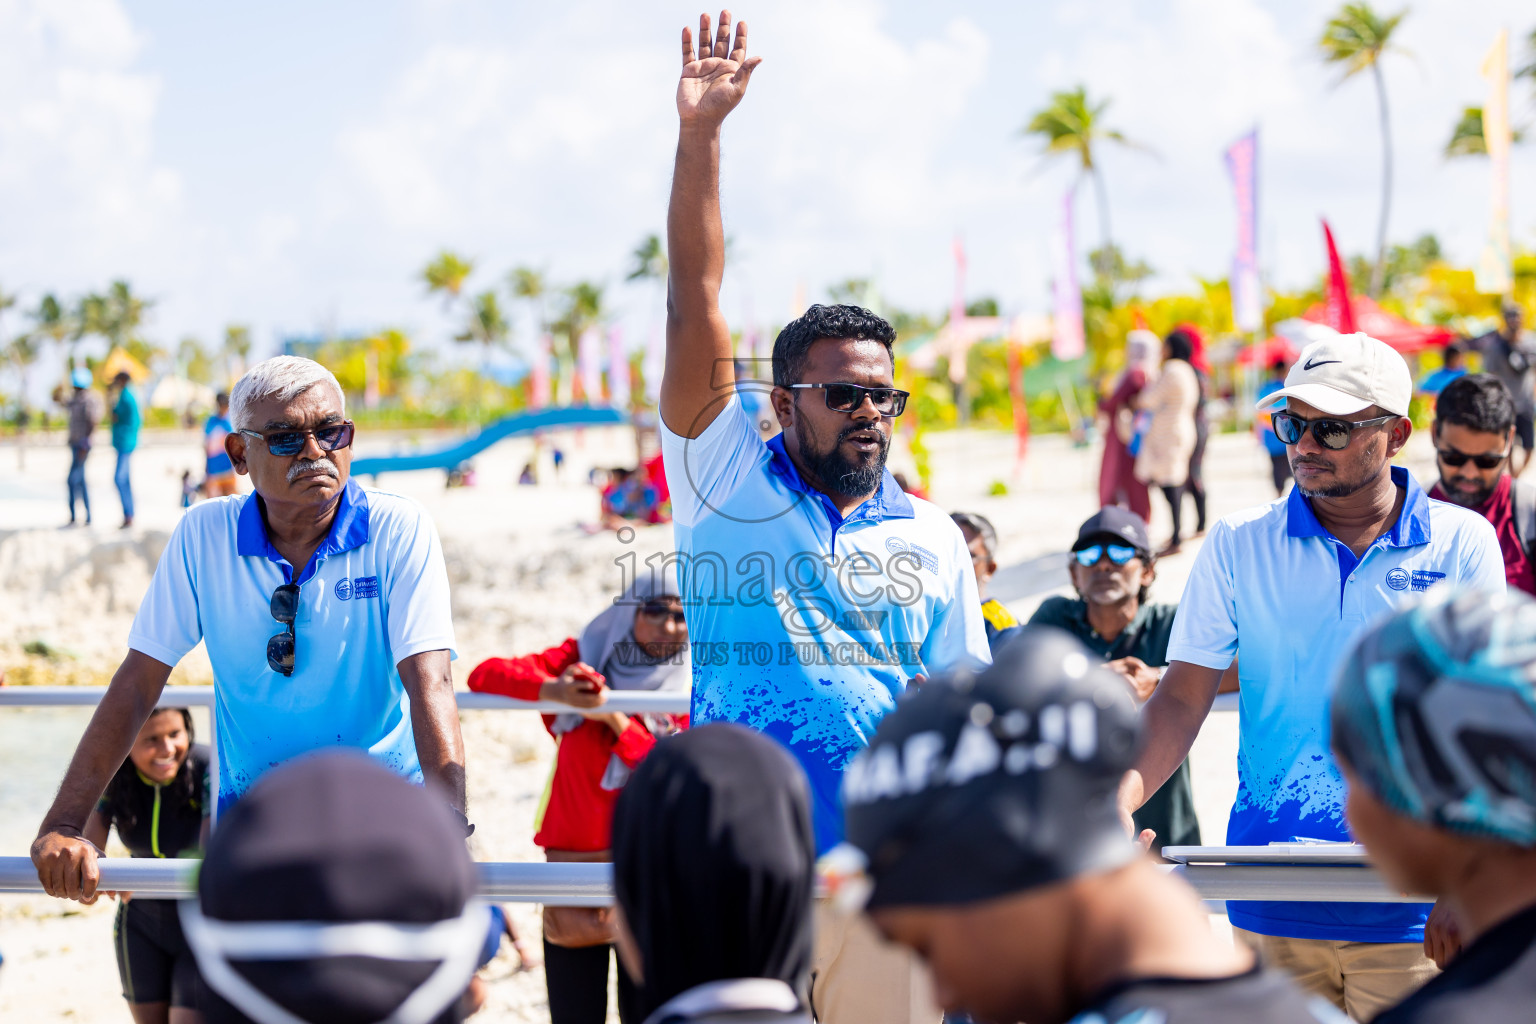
x=193 y=361
x=650 y=258
x=237 y=347
x=1073 y=124
x=1467 y=136
x=1356 y=38
x=487 y=324
x=582 y=308
x=447 y=274
x=53 y=322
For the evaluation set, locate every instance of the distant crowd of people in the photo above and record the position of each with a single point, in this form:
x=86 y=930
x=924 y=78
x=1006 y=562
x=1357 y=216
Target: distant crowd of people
x=890 y=801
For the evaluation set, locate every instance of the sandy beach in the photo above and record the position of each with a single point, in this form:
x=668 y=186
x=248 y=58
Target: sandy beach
x=524 y=576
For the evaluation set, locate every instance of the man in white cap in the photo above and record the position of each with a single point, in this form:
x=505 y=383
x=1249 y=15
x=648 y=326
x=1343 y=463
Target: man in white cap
x=1291 y=584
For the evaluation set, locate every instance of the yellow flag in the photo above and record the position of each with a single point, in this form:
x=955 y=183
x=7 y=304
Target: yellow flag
x=1493 y=269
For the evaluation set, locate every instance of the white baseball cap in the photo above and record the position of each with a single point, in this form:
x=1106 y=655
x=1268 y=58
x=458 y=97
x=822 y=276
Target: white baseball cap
x=1345 y=374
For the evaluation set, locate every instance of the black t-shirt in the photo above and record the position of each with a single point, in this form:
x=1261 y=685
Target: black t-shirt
x=1254 y=997
x=1145 y=638
x=160 y=821
x=1492 y=981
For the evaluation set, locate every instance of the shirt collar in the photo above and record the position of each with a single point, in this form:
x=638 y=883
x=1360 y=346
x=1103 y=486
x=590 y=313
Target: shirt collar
x=1411 y=528
x=349 y=529
x=889 y=502
x=732 y=996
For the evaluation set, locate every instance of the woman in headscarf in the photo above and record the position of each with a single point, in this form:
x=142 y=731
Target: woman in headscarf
x=1170 y=438
x=713 y=871
x=1194 y=486
x=640 y=642
x=1117 y=474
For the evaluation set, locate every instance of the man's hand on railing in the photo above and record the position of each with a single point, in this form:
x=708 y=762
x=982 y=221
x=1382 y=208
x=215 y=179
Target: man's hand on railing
x=66 y=865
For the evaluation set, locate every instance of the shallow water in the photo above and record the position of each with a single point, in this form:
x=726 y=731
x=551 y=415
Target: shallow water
x=35 y=747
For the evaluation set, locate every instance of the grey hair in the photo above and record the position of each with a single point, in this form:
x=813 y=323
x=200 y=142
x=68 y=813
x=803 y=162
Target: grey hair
x=282 y=377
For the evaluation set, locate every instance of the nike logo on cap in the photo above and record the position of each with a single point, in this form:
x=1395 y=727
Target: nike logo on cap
x=1313 y=364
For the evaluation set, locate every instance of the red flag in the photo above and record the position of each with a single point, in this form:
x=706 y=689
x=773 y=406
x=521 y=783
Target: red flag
x=1341 y=314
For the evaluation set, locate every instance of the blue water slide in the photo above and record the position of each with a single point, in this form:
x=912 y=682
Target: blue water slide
x=508 y=426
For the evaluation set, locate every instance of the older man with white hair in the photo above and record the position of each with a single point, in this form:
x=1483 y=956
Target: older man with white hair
x=324 y=607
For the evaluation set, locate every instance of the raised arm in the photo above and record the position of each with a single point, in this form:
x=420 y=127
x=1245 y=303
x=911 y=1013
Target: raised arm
x=698 y=368
x=64 y=856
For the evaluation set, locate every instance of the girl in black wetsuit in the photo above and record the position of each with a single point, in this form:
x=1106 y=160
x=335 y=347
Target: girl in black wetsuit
x=158 y=801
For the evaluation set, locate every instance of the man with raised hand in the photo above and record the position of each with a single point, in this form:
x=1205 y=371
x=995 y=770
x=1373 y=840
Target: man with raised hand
x=816 y=589
x=324 y=608
x=1291 y=585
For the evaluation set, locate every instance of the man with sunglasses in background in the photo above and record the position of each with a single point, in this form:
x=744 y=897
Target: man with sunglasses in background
x=324 y=608
x=1474 y=436
x=816 y=589
x=1289 y=586
x=1111 y=568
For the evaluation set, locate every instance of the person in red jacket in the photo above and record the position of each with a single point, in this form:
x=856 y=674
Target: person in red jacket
x=638 y=643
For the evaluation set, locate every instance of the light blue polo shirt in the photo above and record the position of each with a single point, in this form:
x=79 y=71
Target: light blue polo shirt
x=375 y=593
x=1276 y=589
x=805 y=625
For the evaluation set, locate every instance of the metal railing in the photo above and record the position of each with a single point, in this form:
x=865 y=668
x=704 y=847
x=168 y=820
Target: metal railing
x=591 y=885
x=587 y=885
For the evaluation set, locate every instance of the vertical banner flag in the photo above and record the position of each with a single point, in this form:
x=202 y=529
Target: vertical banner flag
x=618 y=370
x=589 y=366
x=1067 y=323
x=1016 y=396
x=655 y=362
x=539 y=377
x=1493 y=268
x=1339 y=313
x=1242 y=165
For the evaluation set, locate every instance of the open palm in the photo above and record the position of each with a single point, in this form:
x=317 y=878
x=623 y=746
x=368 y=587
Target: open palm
x=715 y=79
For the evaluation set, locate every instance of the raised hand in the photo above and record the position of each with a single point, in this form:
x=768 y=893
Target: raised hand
x=715 y=79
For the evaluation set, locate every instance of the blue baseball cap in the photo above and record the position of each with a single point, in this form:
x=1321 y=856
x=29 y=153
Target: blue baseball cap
x=81 y=378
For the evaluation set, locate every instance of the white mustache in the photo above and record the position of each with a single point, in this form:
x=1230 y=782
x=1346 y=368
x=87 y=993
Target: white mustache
x=325 y=465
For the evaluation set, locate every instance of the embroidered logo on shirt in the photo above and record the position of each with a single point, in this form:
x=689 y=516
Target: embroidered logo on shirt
x=1397 y=579
x=1423 y=579
x=362 y=588
x=927 y=559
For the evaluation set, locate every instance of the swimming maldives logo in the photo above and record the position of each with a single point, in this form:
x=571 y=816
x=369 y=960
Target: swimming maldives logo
x=362 y=588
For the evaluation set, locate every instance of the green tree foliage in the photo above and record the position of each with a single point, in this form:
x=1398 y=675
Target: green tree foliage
x=446 y=273
x=193 y=361
x=581 y=308
x=650 y=260
x=985 y=306
x=1355 y=39
x=486 y=324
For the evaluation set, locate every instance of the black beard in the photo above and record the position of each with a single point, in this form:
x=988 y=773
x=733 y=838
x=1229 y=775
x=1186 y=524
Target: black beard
x=1457 y=496
x=1342 y=489
x=842 y=475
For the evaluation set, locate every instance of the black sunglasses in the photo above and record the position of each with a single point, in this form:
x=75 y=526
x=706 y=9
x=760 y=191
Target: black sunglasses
x=849 y=397
x=282 y=649
x=659 y=613
x=1455 y=459
x=291 y=442
x=1328 y=431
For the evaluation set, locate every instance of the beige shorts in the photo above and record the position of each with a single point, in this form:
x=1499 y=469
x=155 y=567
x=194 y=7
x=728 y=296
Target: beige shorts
x=1360 y=978
x=859 y=978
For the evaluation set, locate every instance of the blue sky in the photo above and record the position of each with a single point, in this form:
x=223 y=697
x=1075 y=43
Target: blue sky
x=292 y=166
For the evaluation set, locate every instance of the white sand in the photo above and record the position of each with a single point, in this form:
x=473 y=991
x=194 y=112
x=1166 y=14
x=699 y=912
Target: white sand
x=524 y=577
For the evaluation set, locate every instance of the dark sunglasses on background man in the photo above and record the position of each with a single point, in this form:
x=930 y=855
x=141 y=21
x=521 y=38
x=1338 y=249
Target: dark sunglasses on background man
x=282 y=649
x=1455 y=459
x=1330 y=432
x=660 y=613
x=849 y=397
x=1119 y=554
x=330 y=438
